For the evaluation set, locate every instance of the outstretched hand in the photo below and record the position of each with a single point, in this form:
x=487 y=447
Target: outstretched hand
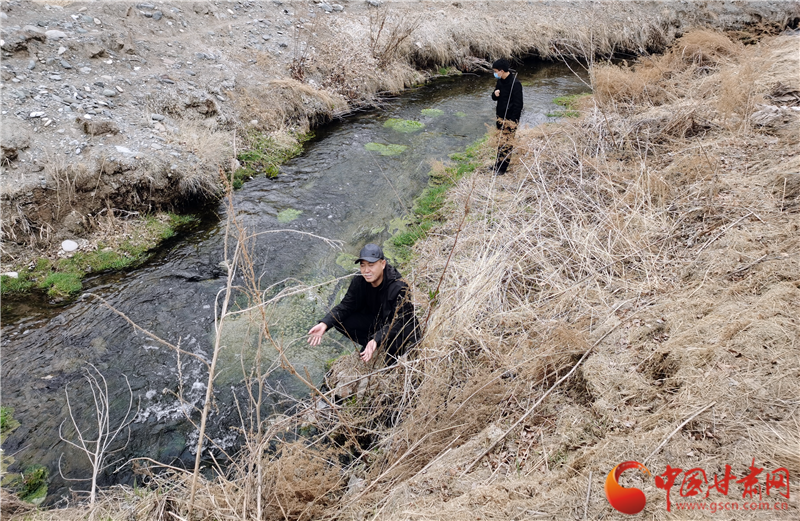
x=366 y=354
x=315 y=334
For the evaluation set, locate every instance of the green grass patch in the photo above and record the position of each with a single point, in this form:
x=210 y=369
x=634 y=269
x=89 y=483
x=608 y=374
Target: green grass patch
x=7 y=421
x=571 y=102
x=404 y=125
x=461 y=114
x=33 y=488
x=62 y=285
x=430 y=207
x=61 y=278
x=264 y=155
x=288 y=215
x=433 y=113
x=20 y=284
x=386 y=150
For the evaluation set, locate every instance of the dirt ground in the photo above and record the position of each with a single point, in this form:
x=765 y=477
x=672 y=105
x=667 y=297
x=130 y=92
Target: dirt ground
x=123 y=107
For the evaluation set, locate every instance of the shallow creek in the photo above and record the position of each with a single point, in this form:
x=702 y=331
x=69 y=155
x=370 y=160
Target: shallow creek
x=337 y=188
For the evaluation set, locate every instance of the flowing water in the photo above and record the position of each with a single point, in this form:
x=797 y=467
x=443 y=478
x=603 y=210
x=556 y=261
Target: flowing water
x=336 y=189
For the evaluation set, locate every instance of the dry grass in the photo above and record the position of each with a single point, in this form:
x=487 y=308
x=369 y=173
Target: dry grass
x=646 y=225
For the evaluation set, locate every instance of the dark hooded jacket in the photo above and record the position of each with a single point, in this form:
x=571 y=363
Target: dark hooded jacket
x=509 y=102
x=389 y=304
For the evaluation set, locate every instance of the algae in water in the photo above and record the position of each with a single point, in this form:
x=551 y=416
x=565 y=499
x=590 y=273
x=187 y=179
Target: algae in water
x=432 y=112
x=386 y=150
x=288 y=215
x=404 y=125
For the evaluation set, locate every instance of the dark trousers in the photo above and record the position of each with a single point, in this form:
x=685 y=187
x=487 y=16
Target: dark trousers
x=505 y=139
x=360 y=328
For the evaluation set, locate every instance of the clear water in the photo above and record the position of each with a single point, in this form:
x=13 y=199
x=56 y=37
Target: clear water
x=341 y=190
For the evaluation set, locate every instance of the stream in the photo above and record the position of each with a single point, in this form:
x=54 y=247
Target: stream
x=336 y=189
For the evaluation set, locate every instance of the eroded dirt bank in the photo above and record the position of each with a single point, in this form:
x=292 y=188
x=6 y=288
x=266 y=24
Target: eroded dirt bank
x=118 y=107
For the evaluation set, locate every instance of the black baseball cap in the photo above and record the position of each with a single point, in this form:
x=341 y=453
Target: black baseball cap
x=370 y=253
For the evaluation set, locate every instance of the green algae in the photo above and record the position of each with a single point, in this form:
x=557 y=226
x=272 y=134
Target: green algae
x=386 y=150
x=404 y=125
x=433 y=113
x=288 y=215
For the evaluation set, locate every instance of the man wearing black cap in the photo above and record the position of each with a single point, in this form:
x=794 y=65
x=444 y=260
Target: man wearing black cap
x=375 y=312
x=508 y=95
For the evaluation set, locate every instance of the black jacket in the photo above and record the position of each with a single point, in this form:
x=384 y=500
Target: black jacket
x=389 y=304
x=509 y=102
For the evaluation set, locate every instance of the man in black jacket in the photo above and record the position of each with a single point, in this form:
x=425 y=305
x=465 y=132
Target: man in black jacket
x=375 y=312
x=508 y=95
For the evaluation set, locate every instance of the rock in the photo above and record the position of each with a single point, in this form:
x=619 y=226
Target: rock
x=157 y=15
x=97 y=21
x=13 y=139
x=62 y=50
x=85 y=70
x=31 y=32
x=55 y=77
x=69 y=245
x=328 y=8
x=93 y=50
x=36 y=114
x=65 y=64
x=375 y=3
x=3 y=16
x=11 y=274
x=338 y=7
x=96 y=128
x=109 y=93
x=31 y=65
x=124 y=150
x=157 y=117
x=54 y=34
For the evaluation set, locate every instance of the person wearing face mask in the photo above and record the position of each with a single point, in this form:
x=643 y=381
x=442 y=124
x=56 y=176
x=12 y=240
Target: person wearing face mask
x=375 y=312
x=508 y=95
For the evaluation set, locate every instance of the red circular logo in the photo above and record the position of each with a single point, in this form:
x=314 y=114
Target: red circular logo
x=626 y=500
